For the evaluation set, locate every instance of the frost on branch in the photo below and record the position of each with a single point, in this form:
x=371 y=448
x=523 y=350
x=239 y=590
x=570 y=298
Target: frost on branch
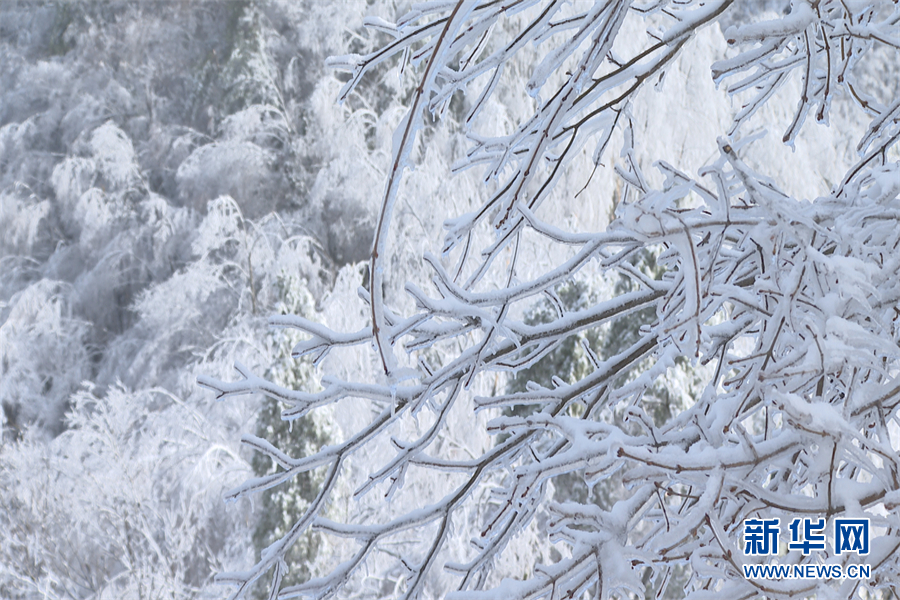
x=791 y=304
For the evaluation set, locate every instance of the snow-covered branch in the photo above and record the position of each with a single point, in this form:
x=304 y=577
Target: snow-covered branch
x=790 y=304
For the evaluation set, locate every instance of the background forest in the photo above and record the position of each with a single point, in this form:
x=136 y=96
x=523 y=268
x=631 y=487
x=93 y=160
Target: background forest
x=172 y=174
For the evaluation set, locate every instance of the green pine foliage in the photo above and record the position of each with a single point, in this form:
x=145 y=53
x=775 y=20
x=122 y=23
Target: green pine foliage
x=283 y=505
x=657 y=401
x=570 y=362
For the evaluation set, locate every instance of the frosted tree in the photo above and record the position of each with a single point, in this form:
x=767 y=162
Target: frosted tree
x=791 y=304
x=123 y=503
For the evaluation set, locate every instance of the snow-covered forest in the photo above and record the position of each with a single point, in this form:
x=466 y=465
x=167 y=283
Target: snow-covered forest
x=477 y=299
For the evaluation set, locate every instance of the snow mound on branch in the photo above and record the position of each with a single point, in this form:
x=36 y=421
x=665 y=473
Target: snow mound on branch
x=114 y=157
x=239 y=169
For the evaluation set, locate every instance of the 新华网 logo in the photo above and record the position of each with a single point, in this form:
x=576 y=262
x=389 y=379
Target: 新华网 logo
x=807 y=536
